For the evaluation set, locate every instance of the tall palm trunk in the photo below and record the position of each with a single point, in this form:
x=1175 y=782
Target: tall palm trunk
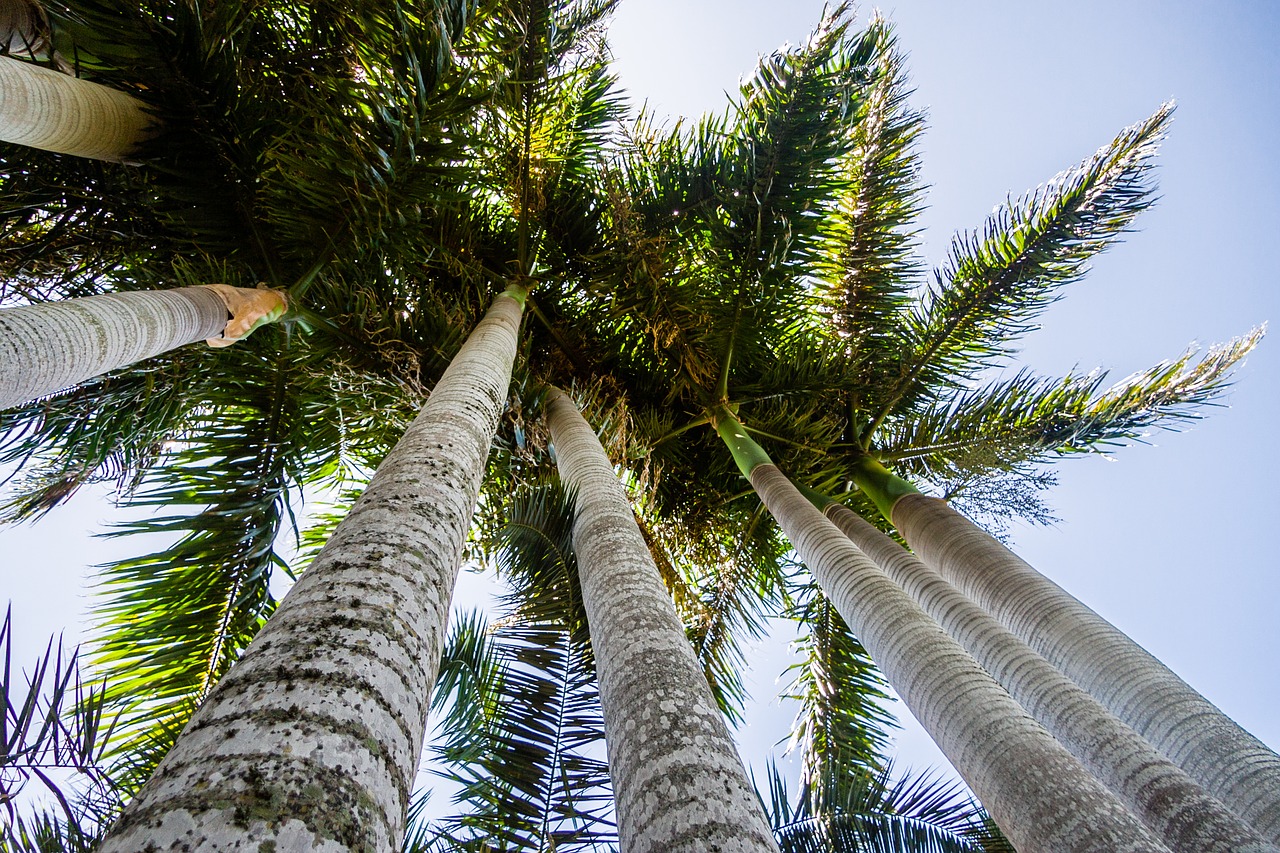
x=678 y=782
x=1040 y=796
x=312 y=740
x=43 y=109
x=1168 y=801
x=53 y=345
x=1223 y=758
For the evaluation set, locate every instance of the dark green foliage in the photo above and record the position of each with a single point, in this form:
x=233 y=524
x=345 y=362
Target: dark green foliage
x=869 y=812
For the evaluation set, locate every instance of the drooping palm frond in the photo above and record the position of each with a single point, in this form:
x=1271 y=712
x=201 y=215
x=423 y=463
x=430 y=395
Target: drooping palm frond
x=998 y=280
x=172 y=622
x=871 y=813
x=527 y=752
x=842 y=725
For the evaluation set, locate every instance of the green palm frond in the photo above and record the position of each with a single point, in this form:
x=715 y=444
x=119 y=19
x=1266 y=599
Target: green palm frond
x=873 y=264
x=1027 y=419
x=998 y=280
x=871 y=813
x=526 y=748
x=170 y=623
x=525 y=736
x=842 y=726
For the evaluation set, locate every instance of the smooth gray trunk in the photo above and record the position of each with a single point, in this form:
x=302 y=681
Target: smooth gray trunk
x=1041 y=797
x=312 y=740
x=678 y=782
x=53 y=345
x=1223 y=758
x=1158 y=791
x=44 y=109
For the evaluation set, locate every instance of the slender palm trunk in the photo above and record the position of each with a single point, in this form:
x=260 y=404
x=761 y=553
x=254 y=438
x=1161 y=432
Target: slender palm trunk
x=1041 y=797
x=1223 y=758
x=54 y=345
x=43 y=109
x=1158 y=791
x=678 y=782
x=312 y=740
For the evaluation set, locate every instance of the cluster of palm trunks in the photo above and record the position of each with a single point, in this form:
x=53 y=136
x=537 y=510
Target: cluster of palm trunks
x=1072 y=736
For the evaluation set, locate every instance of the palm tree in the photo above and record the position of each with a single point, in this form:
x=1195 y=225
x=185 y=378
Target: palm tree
x=721 y=312
x=987 y=296
x=342 y=672
x=662 y=722
x=871 y=812
x=1160 y=793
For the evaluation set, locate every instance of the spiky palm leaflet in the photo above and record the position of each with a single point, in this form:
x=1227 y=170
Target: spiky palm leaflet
x=845 y=812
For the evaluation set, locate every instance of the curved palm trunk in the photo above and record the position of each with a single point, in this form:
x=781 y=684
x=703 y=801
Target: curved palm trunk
x=1223 y=758
x=56 y=112
x=312 y=740
x=678 y=782
x=1041 y=797
x=54 y=345
x=1168 y=801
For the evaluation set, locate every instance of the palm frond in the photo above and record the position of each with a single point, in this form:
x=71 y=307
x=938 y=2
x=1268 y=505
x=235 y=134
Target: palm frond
x=53 y=727
x=842 y=726
x=1026 y=419
x=529 y=760
x=998 y=280
x=873 y=264
x=170 y=623
x=871 y=813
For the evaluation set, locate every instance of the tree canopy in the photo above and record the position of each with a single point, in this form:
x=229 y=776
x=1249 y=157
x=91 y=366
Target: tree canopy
x=393 y=166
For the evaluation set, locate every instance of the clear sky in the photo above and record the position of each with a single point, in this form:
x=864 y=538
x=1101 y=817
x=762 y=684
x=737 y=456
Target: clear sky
x=1166 y=541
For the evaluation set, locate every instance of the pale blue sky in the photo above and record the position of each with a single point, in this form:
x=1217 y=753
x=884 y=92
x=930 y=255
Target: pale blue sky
x=1165 y=541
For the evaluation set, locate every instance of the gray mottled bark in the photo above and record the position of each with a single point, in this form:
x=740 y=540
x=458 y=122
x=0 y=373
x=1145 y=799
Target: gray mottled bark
x=54 y=345
x=1223 y=758
x=311 y=741
x=43 y=109
x=1158 y=791
x=1041 y=797
x=678 y=782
